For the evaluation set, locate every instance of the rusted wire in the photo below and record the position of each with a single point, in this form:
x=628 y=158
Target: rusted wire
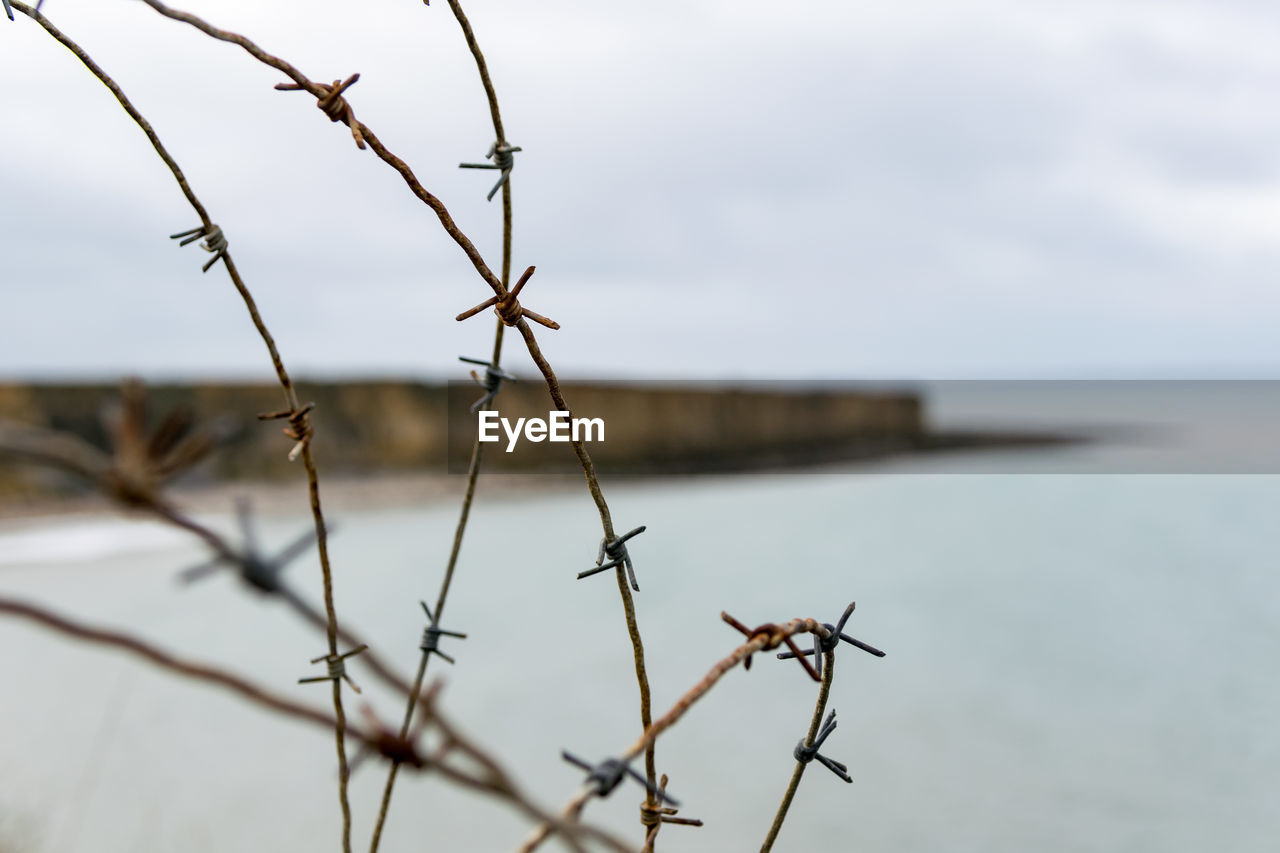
x=653 y=817
x=332 y=104
x=493 y=378
x=500 y=291
x=763 y=638
x=485 y=773
x=508 y=308
x=257 y=570
x=398 y=748
x=217 y=244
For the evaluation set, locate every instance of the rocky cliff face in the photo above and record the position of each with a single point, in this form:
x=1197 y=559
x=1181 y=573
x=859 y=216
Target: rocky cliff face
x=395 y=426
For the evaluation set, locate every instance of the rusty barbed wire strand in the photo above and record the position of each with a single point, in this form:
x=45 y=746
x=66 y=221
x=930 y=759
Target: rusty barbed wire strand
x=510 y=313
x=654 y=817
x=762 y=638
x=73 y=454
x=298 y=418
x=505 y=299
x=493 y=778
x=500 y=290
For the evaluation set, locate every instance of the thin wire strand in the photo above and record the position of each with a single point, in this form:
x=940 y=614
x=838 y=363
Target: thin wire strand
x=473 y=468
x=499 y=286
x=488 y=776
x=500 y=290
x=282 y=374
x=761 y=641
x=820 y=707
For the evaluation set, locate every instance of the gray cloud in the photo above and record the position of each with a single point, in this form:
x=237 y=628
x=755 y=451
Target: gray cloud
x=937 y=189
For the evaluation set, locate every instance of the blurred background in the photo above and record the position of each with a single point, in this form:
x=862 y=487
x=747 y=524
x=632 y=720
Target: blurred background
x=889 y=200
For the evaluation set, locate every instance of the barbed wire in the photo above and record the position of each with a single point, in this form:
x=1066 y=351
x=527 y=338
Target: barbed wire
x=398 y=747
x=488 y=776
x=298 y=416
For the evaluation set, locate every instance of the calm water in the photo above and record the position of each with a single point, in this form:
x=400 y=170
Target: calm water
x=1077 y=662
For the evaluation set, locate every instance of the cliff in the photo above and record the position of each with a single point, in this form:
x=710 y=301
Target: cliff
x=373 y=427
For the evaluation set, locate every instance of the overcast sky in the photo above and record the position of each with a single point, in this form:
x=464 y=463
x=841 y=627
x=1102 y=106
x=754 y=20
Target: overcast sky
x=938 y=188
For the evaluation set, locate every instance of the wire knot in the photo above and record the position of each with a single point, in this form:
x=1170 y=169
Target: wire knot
x=608 y=774
x=332 y=104
x=508 y=308
x=827 y=644
x=771 y=636
x=616 y=551
x=214 y=241
x=492 y=382
x=335 y=668
x=258 y=571
x=430 y=642
x=503 y=156
x=653 y=814
x=805 y=754
x=299 y=428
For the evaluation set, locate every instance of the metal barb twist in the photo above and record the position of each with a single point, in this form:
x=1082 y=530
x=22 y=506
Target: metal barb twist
x=336 y=668
x=492 y=382
x=7 y=10
x=299 y=428
x=431 y=635
x=214 y=241
x=501 y=153
x=834 y=636
x=508 y=308
x=607 y=775
x=261 y=573
x=618 y=556
x=652 y=815
x=774 y=636
x=805 y=754
x=332 y=104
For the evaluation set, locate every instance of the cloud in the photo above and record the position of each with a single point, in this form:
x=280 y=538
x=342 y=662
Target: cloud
x=810 y=189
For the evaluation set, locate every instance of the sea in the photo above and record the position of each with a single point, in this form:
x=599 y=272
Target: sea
x=1081 y=651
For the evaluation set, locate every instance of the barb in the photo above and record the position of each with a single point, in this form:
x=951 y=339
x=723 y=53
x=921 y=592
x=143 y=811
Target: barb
x=332 y=104
x=492 y=382
x=602 y=778
x=653 y=816
x=616 y=550
x=834 y=636
x=141 y=461
x=299 y=428
x=214 y=241
x=262 y=573
x=7 y=10
x=336 y=666
x=804 y=753
x=508 y=308
x=502 y=155
x=771 y=636
x=431 y=635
